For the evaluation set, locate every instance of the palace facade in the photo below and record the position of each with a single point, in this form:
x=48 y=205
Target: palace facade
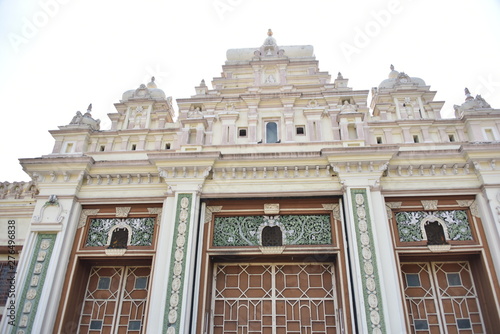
x=279 y=201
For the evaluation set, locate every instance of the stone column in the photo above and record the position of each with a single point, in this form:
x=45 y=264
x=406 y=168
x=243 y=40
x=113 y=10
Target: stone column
x=170 y=312
x=363 y=254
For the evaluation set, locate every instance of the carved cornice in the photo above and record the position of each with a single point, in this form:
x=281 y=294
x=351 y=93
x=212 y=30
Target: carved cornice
x=272 y=172
x=114 y=179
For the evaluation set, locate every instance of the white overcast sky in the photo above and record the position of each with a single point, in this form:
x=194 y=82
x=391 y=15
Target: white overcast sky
x=57 y=56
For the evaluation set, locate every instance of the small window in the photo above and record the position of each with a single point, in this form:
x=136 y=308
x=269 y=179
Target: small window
x=242 y=132
x=167 y=146
x=379 y=140
x=412 y=280
x=119 y=238
x=451 y=138
x=272 y=236
x=102 y=148
x=69 y=148
x=271 y=132
x=134 y=146
x=141 y=283
x=300 y=130
x=134 y=325
x=454 y=279
x=488 y=133
x=104 y=283
x=192 y=136
x=415 y=139
x=421 y=325
x=95 y=325
x=464 y=324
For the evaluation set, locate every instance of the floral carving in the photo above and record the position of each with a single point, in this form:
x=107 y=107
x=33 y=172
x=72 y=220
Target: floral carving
x=456 y=221
x=142 y=230
x=297 y=229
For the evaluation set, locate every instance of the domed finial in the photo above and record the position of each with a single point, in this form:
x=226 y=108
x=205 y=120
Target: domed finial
x=89 y=109
x=152 y=83
x=202 y=83
x=393 y=74
x=339 y=76
x=269 y=32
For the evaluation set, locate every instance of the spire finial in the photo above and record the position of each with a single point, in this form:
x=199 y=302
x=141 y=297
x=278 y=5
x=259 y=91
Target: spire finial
x=392 y=67
x=152 y=79
x=89 y=109
x=269 y=32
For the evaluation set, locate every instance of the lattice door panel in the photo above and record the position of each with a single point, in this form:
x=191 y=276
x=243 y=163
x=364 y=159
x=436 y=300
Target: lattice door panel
x=115 y=300
x=441 y=298
x=274 y=298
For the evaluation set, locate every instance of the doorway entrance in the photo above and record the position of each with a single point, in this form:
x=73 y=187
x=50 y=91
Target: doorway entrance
x=274 y=298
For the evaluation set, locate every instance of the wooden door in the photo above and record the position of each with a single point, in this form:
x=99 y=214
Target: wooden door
x=274 y=298
x=115 y=300
x=441 y=297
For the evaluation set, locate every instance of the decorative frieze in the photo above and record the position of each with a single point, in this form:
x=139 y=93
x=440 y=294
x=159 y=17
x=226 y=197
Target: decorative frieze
x=122 y=179
x=171 y=324
x=142 y=230
x=34 y=283
x=430 y=170
x=273 y=172
x=367 y=262
x=18 y=190
x=409 y=224
x=295 y=229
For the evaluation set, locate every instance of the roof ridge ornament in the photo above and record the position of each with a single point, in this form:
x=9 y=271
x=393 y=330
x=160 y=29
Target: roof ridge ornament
x=152 y=84
x=269 y=48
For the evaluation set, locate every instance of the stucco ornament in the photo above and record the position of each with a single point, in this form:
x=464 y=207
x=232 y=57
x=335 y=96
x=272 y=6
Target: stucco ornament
x=86 y=120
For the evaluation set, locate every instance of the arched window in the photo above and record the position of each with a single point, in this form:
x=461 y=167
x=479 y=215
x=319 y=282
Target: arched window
x=435 y=233
x=271 y=132
x=272 y=236
x=119 y=238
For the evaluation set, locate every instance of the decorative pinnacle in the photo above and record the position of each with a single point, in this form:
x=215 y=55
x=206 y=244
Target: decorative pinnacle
x=89 y=109
x=269 y=32
x=392 y=67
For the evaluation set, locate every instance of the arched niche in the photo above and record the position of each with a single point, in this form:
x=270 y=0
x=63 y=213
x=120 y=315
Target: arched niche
x=119 y=236
x=271 y=236
x=435 y=232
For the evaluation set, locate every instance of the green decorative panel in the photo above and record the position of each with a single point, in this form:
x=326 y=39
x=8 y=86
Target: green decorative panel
x=296 y=229
x=33 y=286
x=171 y=322
x=142 y=230
x=409 y=224
x=367 y=262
